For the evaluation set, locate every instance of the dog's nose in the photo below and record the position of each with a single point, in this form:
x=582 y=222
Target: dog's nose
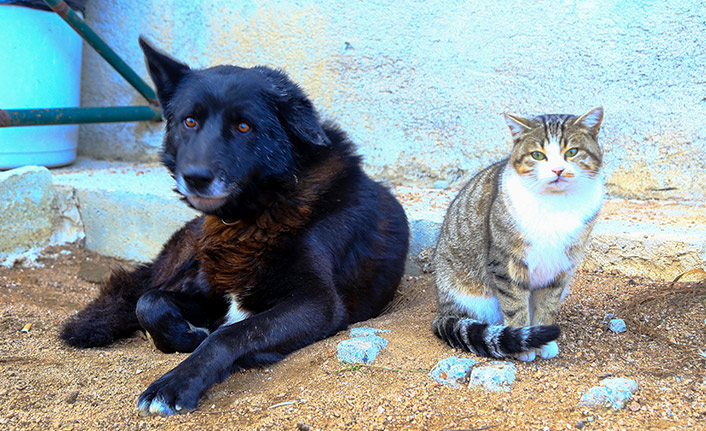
x=198 y=179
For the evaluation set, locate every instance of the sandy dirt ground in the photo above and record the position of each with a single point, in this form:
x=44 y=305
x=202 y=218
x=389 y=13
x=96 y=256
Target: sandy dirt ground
x=46 y=385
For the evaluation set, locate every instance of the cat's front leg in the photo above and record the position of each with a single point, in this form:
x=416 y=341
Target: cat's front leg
x=514 y=304
x=544 y=304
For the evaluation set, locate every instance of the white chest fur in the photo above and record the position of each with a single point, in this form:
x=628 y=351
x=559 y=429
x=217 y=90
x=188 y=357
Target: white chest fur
x=550 y=223
x=235 y=313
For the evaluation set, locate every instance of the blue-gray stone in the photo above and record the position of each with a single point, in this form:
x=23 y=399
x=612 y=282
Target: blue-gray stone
x=452 y=371
x=498 y=376
x=597 y=396
x=612 y=393
x=360 y=350
x=423 y=234
x=618 y=325
x=364 y=332
x=441 y=184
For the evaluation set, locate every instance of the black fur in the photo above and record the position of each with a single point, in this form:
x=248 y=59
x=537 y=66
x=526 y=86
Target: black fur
x=293 y=231
x=470 y=335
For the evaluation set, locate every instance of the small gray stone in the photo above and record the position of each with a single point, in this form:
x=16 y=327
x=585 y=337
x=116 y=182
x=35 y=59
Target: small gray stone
x=613 y=393
x=441 y=184
x=364 y=332
x=452 y=371
x=620 y=390
x=498 y=376
x=597 y=396
x=360 y=349
x=618 y=325
x=608 y=317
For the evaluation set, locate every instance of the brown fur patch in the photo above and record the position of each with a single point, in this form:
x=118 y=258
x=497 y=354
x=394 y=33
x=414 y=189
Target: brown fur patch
x=231 y=254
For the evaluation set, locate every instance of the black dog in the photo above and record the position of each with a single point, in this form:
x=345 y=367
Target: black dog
x=296 y=242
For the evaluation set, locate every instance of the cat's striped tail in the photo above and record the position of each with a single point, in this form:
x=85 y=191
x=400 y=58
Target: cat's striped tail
x=494 y=341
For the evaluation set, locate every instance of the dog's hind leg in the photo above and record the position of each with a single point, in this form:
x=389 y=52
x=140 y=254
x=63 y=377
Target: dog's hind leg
x=111 y=316
x=177 y=321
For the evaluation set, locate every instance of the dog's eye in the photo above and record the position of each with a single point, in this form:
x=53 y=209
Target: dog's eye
x=189 y=122
x=243 y=127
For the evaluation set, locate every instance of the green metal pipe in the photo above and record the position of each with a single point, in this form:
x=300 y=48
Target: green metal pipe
x=115 y=114
x=102 y=48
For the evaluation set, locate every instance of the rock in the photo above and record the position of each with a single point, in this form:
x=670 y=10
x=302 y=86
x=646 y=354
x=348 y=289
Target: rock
x=496 y=377
x=613 y=393
x=441 y=184
x=359 y=350
x=607 y=318
x=597 y=396
x=364 y=332
x=618 y=325
x=452 y=371
x=423 y=234
x=26 y=208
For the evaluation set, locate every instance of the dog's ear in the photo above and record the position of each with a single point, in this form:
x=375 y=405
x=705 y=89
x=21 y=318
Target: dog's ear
x=295 y=110
x=166 y=72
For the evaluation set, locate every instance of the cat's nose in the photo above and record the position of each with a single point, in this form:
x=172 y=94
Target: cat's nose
x=558 y=171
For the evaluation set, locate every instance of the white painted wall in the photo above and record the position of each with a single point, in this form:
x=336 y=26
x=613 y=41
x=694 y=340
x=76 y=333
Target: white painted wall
x=421 y=85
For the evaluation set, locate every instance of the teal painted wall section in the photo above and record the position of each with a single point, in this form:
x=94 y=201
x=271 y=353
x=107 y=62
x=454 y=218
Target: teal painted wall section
x=421 y=85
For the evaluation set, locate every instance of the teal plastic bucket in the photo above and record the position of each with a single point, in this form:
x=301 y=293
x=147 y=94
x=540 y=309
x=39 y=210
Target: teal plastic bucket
x=40 y=67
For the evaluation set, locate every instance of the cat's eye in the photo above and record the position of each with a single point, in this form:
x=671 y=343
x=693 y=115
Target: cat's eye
x=538 y=155
x=244 y=127
x=572 y=152
x=189 y=122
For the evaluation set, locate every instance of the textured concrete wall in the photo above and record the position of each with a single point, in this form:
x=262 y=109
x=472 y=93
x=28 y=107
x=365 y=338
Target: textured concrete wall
x=421 y=85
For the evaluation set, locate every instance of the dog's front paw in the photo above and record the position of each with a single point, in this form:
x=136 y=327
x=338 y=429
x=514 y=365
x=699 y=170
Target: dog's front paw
x=169 y=395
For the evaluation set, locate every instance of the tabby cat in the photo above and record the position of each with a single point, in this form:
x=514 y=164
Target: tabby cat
x=513 y=236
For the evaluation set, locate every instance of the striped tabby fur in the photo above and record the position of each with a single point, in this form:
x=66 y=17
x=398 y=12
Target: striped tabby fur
x=513 y=236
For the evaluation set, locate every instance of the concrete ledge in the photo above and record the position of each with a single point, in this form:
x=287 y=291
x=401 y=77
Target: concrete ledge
x=26 y=198
x=129 y=210
x=654 y=239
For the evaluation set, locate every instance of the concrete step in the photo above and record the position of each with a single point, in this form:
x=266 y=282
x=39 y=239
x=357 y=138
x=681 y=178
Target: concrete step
x=129 y=210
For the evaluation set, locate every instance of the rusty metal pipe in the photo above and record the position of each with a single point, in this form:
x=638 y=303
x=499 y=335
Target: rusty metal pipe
x=102 y=48
x=115 y=114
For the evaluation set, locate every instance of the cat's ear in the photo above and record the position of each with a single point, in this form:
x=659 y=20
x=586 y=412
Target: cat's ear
x=591 y=120
x=166 y=72
x=517 y=125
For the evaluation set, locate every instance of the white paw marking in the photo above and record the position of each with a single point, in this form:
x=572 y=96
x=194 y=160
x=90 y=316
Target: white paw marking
x=549 y=350
x=527 y=356
x=157 y=408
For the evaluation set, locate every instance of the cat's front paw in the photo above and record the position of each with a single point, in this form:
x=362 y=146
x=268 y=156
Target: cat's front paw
x=169 y=395
x=549 y=350
x=526 y=356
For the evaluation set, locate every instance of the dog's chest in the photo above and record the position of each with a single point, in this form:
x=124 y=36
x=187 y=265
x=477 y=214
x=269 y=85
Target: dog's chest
x=230 y=258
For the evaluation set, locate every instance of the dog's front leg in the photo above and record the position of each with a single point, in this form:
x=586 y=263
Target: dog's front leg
x=263 y=338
